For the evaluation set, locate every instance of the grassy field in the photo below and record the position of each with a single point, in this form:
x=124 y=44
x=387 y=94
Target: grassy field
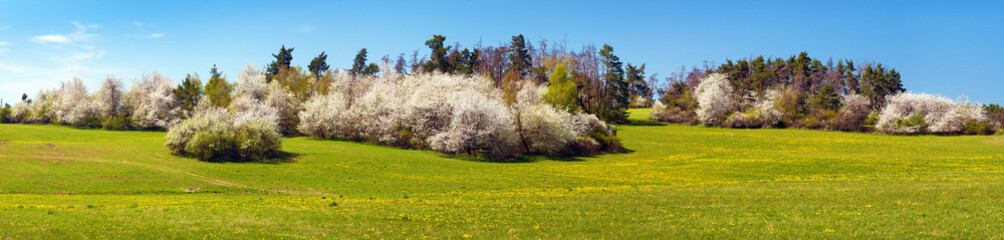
x=678 y=182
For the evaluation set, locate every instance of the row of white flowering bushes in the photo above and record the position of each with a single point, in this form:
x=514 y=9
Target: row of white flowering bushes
x=902 y=113
x=454 y=114
x=449 y=113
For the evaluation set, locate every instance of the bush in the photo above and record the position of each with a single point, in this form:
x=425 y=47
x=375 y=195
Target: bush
x=542 y=127
x=322 y=116
x=151 y=101
x=257 y=140
x=5 y=115
x=713 y=98
x=940 y=115
x=123 y=122
x=212 y=135
x=481 y=126
x=852 y=115
x=978 y=128
x=790 y=103
x=73 y=105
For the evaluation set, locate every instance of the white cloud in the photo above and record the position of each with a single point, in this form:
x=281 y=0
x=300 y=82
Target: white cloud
x=80 y=35
x=3 y=43
x=53 y=39
x=5 y=67
x=306 y=28
x=60 y=57
x=146 y=32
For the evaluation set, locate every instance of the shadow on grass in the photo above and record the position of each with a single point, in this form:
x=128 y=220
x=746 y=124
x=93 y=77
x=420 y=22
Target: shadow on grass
x=279 y=158
x=636 y=122
x=536 y=158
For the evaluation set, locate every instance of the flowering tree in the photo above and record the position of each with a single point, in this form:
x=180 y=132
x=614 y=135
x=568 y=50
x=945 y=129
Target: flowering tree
x=152 y=102
x=713 y=98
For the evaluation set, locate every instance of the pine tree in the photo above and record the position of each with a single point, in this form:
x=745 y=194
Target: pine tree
x=359 y=63
x=636 y=78
x=282 y=60
x=437 y=59
x=188 y=93
x=519 y=56
x=617 y=90
x=318 y=65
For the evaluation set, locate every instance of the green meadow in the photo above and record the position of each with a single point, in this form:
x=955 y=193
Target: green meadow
x=675 y=182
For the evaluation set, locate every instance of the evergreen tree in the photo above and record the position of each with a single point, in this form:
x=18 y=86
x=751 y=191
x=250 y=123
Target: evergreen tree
x=282 y=60
x=318 y=65
x=188 y=93
x=359 y=63
x=437 y=59
x=877 y=83
x=851 y=82
x=218 y=90
x=636 y=77
x=24 y=97
x=617 y=90
x=370 y=70
x=519 y=56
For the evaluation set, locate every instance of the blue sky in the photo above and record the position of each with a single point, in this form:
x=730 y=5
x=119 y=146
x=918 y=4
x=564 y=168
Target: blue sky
x=949 y=48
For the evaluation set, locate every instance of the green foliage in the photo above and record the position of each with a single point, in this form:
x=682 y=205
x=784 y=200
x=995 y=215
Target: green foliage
x=562 y=92
x=218 y=90
x=212 y=137
x=636 y=80
x=5 y=115
x=296 y=81
x=607 y=142
x=791 y=104
x=318 y=65
x=465 y=62
x=188 y=93
x=437 y=58
x=519 y=57
x=877 y=83
x=257 y=140
x=359 y=64
x=827 y=98
x=977 y=128
x=913 y=122
x=282 y=60
x=122 y=122
x=618 y=91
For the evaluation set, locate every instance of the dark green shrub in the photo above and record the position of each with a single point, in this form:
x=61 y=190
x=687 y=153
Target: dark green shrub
x=5 y=115
x=118 y=123
x=607 y=141
x=977 y=128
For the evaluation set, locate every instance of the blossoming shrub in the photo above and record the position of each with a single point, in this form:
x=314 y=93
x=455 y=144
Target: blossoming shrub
x=713 y=98
x=74 y=107
x=152 y=103
x=852 y=115
x=912 y=113
x=453 y=114
x=213 y=135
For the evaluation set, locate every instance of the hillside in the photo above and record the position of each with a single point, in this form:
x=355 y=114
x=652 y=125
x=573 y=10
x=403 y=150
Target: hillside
x=677 y=181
